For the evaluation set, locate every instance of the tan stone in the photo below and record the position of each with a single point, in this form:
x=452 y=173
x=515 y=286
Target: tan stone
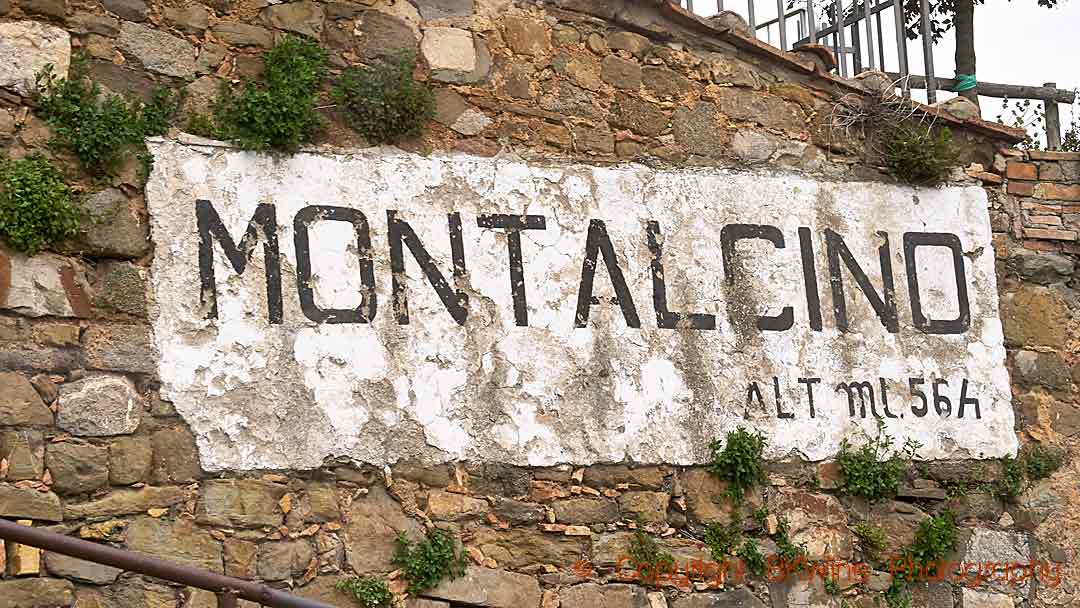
x=130 y=460
x=26 y=503
x=240 y=558
x=1034 y=316
x=20 y=404
x=645 y=507
x=23 y=560
x=591 y=595
x=177 y=541
x=244 y=502
x=77 y=468
x=706 y=497
x=24 y=450
x=586 y=511
x=526 y=36
x=124 y=502
x=487 y=587
x=451 y=506
x=516 y=548
x=36 y=593
x=373 y=522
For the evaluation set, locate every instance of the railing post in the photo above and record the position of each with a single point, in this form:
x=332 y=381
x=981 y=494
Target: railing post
x=1053 y=121
x=901 y=46
x=928 y=51
x=750 y=16
x=811 y=21
x=781 y=20
x=841 y=44
x=227 y=599
x=869 y=35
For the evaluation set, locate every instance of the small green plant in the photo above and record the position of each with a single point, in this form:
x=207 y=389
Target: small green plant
x=382 y=101
x=37 y=207
x=760 y=515
x=738 y=462
x=751 y=557
x=278 y=113
x=426 y=562
x=722 y=540
x=897 y=595
x=646 y=553
x=100 y=131
x=934 y=539
x=368 y=591
x=201 y=125
x=1008 y=487
x=871 y=538
x=1040 y=463
x=1034 y=463
x=831 y=586
x=794 y=556
x=874 y=470
x=919 y=154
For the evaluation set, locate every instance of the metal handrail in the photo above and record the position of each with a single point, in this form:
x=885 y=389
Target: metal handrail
x=227 y=588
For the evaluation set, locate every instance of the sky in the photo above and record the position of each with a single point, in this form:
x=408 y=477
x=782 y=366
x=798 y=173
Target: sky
x=1016 y=42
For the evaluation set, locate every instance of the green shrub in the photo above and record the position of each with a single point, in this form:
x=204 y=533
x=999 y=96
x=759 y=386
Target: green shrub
x=790 y=554
x=382 y=101
x=897 y=595
x=874 y=470
x=871 y=538
x=738 y=461
x=1040 y=463
x=36 y=207
x=751 y=557
x=832 y=587
x=368 y=592
x=426 y=562
x=100 y=132
x=934 y=539
x=646 y=553
x=918 y=154
x=1008 y=487
x=278 y=113
x=722 y=540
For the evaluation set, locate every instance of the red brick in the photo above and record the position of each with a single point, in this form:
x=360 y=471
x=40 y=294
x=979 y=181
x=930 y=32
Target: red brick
x=1052 y=155
x=1058 y=192
x=1045 y=220
x=1039 y=207
x=988 y=178
x=1021 y=188
x=1050 y=172
x=1050 y=234
x=1018 y=170
x=1042 y=245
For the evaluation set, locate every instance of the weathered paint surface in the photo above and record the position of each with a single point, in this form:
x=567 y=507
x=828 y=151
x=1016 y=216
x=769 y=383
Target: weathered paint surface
x=290 y=394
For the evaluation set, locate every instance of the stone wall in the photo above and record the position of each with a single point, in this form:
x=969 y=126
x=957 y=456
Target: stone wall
x=89 y=448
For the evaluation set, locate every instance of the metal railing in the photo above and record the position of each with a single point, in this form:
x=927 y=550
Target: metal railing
x=229 y=590
x=863 y=21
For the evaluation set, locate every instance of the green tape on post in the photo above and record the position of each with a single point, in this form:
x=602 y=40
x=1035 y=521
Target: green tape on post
x=965 y=82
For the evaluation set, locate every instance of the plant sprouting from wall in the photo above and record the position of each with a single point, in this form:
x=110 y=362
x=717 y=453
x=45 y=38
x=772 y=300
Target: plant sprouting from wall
x=738 y=461
x=279 y=112
x=919 y=154
x=382 y=101
x=367 y=592
x=874 y=470
x=646 y=554
x=37 y=208
x=101 y=131
x=426 y=562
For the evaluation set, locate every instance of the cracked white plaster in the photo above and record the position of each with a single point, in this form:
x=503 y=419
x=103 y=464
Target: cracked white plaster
x=292 y=394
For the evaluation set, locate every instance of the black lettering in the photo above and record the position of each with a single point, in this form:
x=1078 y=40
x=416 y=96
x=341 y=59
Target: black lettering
x=513 y=225
x=813 y=298
x=729 y=235
x=211 y=228
x=752 y=393
x=884 y=306
x=965 y=401
x=455 y=301
x=865 y=392
x=914 y=240
x=884 y=394
x=780 y=413
x=598 y=241
x=365 y=312
x=666 y=319
x=810 y=382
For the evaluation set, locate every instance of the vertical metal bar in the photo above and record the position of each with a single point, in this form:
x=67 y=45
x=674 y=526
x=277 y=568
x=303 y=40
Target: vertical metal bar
x=840 y=42
x=856 y=46
x=927 y=51
x=880 y=36
x=781 y=20
x=811 y=21
x=1053 y=121
x=901 y=46
x=750 y=16
x=869 y=35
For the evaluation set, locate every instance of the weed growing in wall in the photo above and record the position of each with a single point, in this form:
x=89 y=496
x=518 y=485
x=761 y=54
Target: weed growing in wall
x=646 y=554
x=1034 y=463
x=871 y=538
x=787 y=551
x=100 y=131
x=874 y=470
x=368 y=591
x=738 y=461
x=723 y=540
x=918 y=154
x=382 y=101
x=426 y=562
x=37 y=207
x=751 y=557
x=279 y=112
x=832 y=587
x=933 y=541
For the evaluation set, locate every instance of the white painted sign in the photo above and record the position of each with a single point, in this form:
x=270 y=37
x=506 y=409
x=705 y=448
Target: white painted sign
x=382 y=305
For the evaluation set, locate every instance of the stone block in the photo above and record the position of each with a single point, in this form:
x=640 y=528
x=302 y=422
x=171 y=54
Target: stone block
x=112 y=226
x=698 y=130
x=1042 y=268
x=130 y=460
x=26 y=503
x=24 y=450
x=43 y=285
x=377 y=33
x=591 y=595
x=635 y=44
x=241 y=34
x=1019 y=170
x=450 y=506
x=122 y=286
x=526 y=36
x=177 y=541
x=28 y=46
x=119 y=347
x=129 y=10
x=449 y=51
x=125 y=502
x=176 y=457
x=36 y=593
x=772 y=111
x=240 y=502
x=79 y=570
x=91 y=23
x=303 y=17
x=20 y=404
x=240 y=557
x=1051 y=234
x=586 y=511
x=1034 y=316
x=491 y=588
x=621 y=73
x=516 y=512
x=157 y=51
x=665 y=83
x=192 y=18
x=518 y=548
x=971 y=598
x=443 y=9
x=77 y=468
x=645 y=507
x=284 y=560
x=100 y=405
x=1058 y=192
x=736 y=598
x=587 y=139
x=374 y=521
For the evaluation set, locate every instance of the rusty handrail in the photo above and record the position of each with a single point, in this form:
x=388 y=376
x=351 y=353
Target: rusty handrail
x=223 y=586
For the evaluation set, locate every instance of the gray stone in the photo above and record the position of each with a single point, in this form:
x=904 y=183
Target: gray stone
x=516 y=512
x=645 y=507
x=157 y=51
x=192 y=18
x=302 y=17
x=698 y=130
x=122 y=80
x=665 y=83
x=131 y=10
x=377 y=33
x=570 y=99
x=26 y=503
x=100 y=405
x=24 y=450
x=970 y=598
x=752 y=146
x=176 y=458
x=586 y=511
x=26 y=47
x=449 y=50
x=77 y=468
x=283 y=560
x=111 y=227
x=587 y=139
x=449 y=106
x=736 y=598
x=591 y=595
x=118 y=347
x=243 y=502
x=479 y=74
x=36 y=593
x=241 y=34
x=90 y=23
x=320 y=502
x=177 y=541
x=20 y=404
x=748 y=105
x=122 y=288
x=199 y=96
x=526 y=36
x=374 y=521
x=471 y=122
x=56 y=9
x=635 y=44
x=1043 y=268
x=44 y=285
x=960 y=107
x=210 y=57
x=130 y=460
x=487 y=587
x=126 y=502
x=621 y=73
x=442 y=9
x=128 y=591
x=79 y=570
x=640 y=116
